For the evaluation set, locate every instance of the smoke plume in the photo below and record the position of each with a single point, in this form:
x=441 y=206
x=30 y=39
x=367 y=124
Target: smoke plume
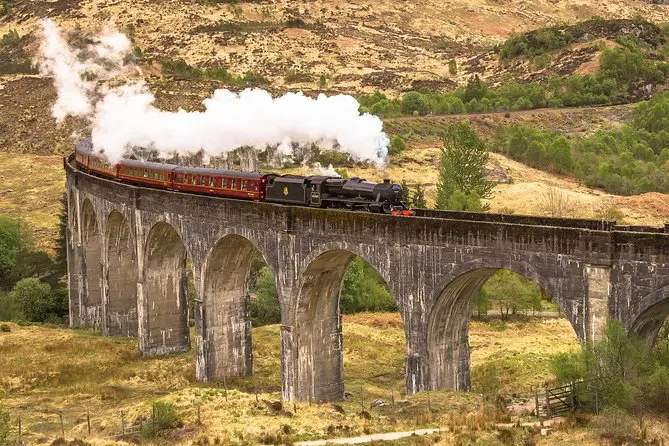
x=126 y=117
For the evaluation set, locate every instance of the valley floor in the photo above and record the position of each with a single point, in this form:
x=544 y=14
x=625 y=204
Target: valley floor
x=48 y=372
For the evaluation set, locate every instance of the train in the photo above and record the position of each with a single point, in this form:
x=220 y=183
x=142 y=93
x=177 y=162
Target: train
x=355 y=194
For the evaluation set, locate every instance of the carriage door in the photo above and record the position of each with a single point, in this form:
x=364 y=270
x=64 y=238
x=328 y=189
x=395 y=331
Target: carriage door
x=315 y=195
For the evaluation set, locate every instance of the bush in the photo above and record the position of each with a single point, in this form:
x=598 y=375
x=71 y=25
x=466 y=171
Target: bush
x=364 y=290
x=615 y=425
x=164 y=417
x=265 y=309
x=397 y=145
x=5 y=328
x=413 y=103
x=37 y=301
x=485 y=380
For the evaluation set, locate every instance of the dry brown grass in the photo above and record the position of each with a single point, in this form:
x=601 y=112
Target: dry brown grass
x=46 y=371
x=30 y=189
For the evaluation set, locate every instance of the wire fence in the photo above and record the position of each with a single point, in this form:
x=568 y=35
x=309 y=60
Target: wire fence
x=30 y=427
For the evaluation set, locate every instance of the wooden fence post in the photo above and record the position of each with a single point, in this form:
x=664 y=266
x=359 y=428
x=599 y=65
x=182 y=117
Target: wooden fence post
x=548 y=404
x=88 y=421
x=20 y=431
x=199 y=420
x=572 y=391
x=153 y=419
x=62 y=428
x=225 y=386
x=536 y=402
x=392 y=397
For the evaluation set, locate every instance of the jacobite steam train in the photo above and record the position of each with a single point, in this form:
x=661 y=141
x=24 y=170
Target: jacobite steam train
x=314 y=191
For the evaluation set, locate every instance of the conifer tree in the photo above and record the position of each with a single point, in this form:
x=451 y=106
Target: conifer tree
x=462 y=180
x=418 y=198
x=406 y=193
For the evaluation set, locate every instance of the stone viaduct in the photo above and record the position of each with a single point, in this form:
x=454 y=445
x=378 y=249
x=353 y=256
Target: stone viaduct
x=128 y=248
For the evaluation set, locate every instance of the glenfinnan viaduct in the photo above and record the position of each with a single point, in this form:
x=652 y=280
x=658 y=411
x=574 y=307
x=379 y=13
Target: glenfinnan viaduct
x=127 y=251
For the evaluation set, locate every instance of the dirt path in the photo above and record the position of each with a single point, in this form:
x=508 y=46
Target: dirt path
x=369 y=438
x=389 y=436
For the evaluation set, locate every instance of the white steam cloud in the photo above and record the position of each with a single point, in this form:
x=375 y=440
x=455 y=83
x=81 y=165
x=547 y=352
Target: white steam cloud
x=125 y=117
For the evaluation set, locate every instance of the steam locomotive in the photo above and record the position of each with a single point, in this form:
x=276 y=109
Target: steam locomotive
x=355 y=194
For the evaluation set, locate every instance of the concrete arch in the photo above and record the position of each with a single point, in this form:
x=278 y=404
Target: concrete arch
x=653 y=311
x=448 y=321
x=165 y=292
x=121 y=292
x=91 y=238
x=318 y=328
x=356 y=250
x=226 y=326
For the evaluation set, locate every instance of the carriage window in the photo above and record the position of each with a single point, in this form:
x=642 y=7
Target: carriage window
x=217 y=182
x=211 y=181
x=244 y=185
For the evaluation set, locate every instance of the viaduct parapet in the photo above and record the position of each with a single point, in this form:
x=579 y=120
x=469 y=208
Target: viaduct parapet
x=128 y=248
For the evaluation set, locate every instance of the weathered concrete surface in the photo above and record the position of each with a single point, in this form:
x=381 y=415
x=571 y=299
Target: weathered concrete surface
x=120 y=274
x=434 y=266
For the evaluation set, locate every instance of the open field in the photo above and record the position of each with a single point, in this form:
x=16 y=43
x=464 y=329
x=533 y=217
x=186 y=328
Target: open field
x=47 y=371
x=50 y=371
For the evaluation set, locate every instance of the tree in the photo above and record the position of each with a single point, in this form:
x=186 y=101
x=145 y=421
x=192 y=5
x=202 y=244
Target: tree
x=462 y=180
x=350 y=292
x=406 y=193
x=10 y=246
x=36 y=299
x=512 y=293
x=265 y=309
x=482 y=304
x=60 y=262
x=475 y=89
x=418 y=198
x=413 y=103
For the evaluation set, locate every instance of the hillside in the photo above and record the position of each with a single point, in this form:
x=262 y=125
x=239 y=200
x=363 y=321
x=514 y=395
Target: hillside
x=360 y=45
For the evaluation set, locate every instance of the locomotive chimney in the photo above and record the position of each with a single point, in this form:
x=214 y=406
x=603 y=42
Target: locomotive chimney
x=386 y=180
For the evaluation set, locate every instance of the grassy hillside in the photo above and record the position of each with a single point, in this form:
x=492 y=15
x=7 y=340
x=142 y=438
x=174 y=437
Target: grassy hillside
x=47 y=371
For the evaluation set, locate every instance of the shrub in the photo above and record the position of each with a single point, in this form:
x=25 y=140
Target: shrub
x=452 y=67
x=265 y=309
x=615 y=425
x=11 y=38
x=36 y=299
x=164 y=417
x=397 y=145
x=414 y=103
x=364 y=290
x=253 y=78
x=485 y=380
x=5 y=328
